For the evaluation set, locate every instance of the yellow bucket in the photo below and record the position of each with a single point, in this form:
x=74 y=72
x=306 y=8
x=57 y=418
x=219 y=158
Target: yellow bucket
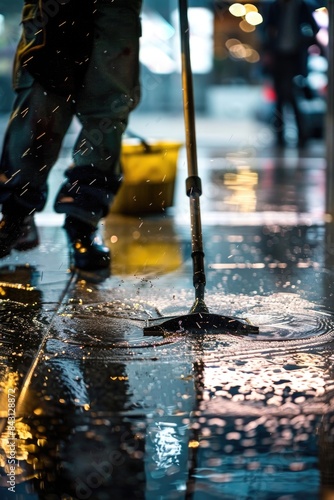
x=149 y=174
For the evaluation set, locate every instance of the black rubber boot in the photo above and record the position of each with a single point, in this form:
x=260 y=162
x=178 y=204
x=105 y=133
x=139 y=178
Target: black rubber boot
x=87 y=249
x=17 y=232
x=29 y=237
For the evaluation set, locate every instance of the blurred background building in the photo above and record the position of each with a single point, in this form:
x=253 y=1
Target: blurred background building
x=226 y=41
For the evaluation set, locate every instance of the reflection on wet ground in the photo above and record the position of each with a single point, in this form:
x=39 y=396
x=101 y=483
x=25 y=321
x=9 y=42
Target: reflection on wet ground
x=106 y=412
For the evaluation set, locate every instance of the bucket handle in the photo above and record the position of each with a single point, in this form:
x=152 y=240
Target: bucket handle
x=143 y=141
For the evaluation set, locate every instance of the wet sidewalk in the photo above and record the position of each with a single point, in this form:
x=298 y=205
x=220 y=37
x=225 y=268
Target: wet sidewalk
x=103 y=411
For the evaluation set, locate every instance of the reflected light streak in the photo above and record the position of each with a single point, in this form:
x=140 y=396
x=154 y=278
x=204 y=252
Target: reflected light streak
x=248 y=265
x=2 y=24
x=242 y=185
x=256 y=378
x=167 y=445
x=260 y=265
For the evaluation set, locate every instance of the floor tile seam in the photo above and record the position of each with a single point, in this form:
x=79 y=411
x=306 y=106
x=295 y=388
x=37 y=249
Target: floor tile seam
x=31 y=370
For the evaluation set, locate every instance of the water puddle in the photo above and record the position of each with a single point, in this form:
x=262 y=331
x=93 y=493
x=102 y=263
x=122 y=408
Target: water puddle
x=106 y=325
x=20 y=315
x=281 y=317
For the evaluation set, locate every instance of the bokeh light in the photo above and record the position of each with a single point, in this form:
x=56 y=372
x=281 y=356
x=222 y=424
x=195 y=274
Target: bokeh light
x=237 y=10
x=254 y=18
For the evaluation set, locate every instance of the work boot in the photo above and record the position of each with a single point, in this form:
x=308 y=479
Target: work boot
x=17 y=232
x=29 y=237
x=87 y=249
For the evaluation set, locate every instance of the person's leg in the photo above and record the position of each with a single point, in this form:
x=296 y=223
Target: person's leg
x=301 y=133
x=280 y=86
x=32 y=142
x=37 y=125
x=278 y=121
x=110 y=91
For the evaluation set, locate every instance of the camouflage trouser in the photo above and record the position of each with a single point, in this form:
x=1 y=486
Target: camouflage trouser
x=102 y=102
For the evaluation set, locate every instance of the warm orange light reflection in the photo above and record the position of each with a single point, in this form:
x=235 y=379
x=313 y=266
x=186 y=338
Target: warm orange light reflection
x=249 y=7
x=327 y=494
x=242 y=188
x=240 y=50
x=9 y=385
x=253 y=57
x=246 y=27
x=232 y=41
x=193 y=444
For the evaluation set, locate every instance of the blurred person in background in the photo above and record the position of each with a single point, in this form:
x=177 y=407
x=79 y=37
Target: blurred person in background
x=290 y=29
x=74 y=58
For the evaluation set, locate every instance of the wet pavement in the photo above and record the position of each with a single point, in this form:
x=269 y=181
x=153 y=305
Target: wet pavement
x=106 y=412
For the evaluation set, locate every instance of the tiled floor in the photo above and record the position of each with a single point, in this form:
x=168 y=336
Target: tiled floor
x=106 y=412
